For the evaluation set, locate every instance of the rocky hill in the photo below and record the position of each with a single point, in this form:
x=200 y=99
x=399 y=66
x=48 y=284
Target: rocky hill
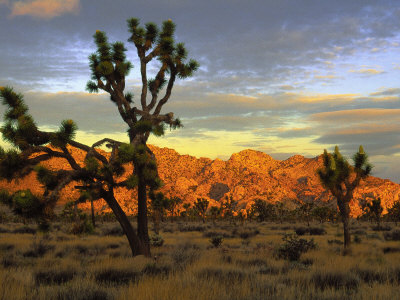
x=245 y=176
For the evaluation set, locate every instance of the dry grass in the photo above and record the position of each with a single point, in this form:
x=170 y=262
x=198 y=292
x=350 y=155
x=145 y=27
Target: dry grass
x=188 y=266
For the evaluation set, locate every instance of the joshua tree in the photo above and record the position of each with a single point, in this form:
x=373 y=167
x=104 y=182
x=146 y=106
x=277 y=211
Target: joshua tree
x=100 y=173
x=158 y=205
x=172 y=204
x=263 y=210
x=394 y=212
x=305 y=210
x=374 y=209
x=201 y=206
x=340 y=178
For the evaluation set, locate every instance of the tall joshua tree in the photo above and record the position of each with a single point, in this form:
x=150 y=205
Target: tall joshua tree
x=101 y=174
x=340 y=178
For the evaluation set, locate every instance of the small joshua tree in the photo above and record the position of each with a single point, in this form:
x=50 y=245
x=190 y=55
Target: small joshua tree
x=340 y=178
x=374 y=209
x=201 y=206
x=394 y=212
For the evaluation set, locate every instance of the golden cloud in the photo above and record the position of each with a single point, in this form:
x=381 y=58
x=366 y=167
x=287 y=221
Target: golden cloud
x=364 y=114
x=367 y=71
x=44 y=9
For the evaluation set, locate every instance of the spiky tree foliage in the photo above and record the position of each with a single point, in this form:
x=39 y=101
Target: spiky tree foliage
x=394 y=212
x=102 y=174
x=200 y=207
x=262 y=210
x=341 y=178
x=173 y=203
x=374 y=210
x=158 y=204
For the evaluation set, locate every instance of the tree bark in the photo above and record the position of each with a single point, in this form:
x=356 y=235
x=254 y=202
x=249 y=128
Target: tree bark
x=142 y=222
x=346 y=228
x=136 y=245
x=92 y=209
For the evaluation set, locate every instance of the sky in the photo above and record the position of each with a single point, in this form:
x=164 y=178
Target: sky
x=283 y=77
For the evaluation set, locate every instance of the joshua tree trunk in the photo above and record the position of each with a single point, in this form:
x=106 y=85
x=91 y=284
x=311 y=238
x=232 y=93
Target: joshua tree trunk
x=344 y=209
x=136 y=245
x=143 y=231
x=92 y=208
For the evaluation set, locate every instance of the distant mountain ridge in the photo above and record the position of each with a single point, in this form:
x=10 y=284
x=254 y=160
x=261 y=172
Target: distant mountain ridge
x=245 y=176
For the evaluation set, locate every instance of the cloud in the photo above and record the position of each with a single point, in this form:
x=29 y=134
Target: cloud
x=367 y=71
x=358 y=115
x=387 y=92
x=44 y=9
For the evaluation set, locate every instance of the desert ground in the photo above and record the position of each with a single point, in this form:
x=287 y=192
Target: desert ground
x=192 y=260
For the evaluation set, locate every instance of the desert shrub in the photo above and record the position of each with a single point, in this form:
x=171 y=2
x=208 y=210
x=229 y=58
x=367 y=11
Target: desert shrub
x=116 y=276
x=393 y=235
x=335 y=242
x=4 y=230
x=370 y=275
x=374 y=236
x=9 y=260
x=358 y=232
x=301 y=230
x=156 y=240
x=357 y=239
x=391 y=250
x=216 y=241
x=83 y=226
x=268 y=269
x=81 y=291
x=310 y=230
x=316 y=231
x=115 y=230
x=381 y=228
x=335 y=279
x=293 y=247
x=38 y=248
x=81 y=248
x=6 y=247
x=394 y=275
x=54 y=275
x=184 y=255
x=112 y=246
x=211 y=234
x=156 y=269
x=245 y=234
x=226 y=276
x=25 y=229
x=188 y=228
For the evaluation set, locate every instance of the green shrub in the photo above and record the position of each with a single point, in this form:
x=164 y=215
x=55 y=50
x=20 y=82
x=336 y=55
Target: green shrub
x=294 y=247
x=156 y=240
x=84 y=226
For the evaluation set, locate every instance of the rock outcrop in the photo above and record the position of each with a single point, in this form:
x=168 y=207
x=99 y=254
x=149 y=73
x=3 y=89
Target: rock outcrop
x=245 y=176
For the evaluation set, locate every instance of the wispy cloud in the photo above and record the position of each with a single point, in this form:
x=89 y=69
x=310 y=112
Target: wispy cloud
x=367 y=71
x=44 y=9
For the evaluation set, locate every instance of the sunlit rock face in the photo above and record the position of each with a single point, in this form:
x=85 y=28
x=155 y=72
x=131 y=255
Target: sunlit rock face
x=245 y=176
